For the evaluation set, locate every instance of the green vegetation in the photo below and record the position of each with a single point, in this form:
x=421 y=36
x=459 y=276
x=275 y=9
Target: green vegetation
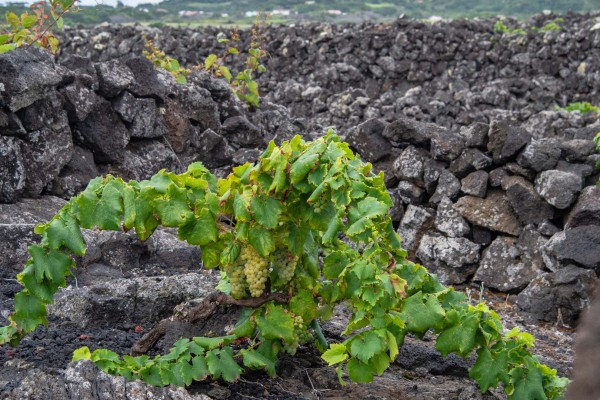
x=213 y=12
x=304 y=228
x=583 y=107
x=34 y=27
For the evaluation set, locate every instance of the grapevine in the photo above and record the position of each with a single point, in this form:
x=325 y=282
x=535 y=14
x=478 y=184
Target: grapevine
x=287 y=266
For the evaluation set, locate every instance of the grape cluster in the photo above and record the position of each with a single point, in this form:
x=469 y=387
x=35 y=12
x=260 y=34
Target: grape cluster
x=301 y=335
x=284 y=264
x=256 y=269
x=238 y=280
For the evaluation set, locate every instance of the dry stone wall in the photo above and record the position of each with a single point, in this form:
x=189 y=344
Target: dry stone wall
x=491 y=184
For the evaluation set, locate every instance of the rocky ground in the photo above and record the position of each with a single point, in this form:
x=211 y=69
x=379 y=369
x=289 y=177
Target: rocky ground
x=491 y=184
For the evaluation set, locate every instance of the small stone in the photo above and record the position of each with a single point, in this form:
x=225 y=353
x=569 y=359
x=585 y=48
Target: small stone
x=475 y=135
x=475 y=184
x=449 y=221
x=558 y=188
x=415 y=222
x=494 y=212
x=505 y=141
x=540 y=154
x=448 y=186
x=410 y=193
x=586 y=210
x=448 y=256
x=529 y=206
x=580 y=246
x=368 y=140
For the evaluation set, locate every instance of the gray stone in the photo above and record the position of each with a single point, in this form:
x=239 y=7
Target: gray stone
x=497 y=176
x=368 y=140
x=547 y=228
x=397 y=210
x=475 y=184
x=27 y=75
x=415 y=222
x=494 y=212
x=586 y=210
x=470 y=160
x=410 y=193
x=567 y=291
x=200 y=107
x=446 y=145
x=46 y=152
x=12 y=169
x=410 y=131
x=577 y=149
x=540 y=154
x=80 y=101
x=75 y=176
x=84 y=380
x=212 y=149
x=558 y=188
x=448 y=186
x=431 y=173
x=582 y=170
x=241 y=132
x=410 y=165
x=475 y=135
x=113 y=77
x=447 y=257
x=147 y=80
x=123 y=303
x=580 y=245
x=506 y=267
x=505 y=141
x=142 y=159
x=104 y=133
x=529 y=206
x=449 y=221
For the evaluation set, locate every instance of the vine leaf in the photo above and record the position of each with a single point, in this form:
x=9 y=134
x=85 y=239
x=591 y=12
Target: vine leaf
x=29 y=311
x=173 y=208
x=489 y=369
x=359 y=371
x=527 y=382
x=262 y=240
x=222 y=365
x=255 y=360
x=365 y=346
x=276 y=324
x=361 y=217
x=201 y=230
x=64 y=231
x=460 y=336
x=104 y=211
x=421 y=313
x=266 y=210
x=336 y=354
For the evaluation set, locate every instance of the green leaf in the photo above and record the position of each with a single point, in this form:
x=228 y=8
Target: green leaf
x=60 y=22
x=199 y=368
x=527 y=382
x=460 y=336
x=334 y=264
x=213 y=343
x=29 y=311
x=222 y=365
x=226 y=73
x=336 y=354
x=275 y=324
x=104 y=211
x=200 y=230
x=255 y=360
x=359 y=372
x=392 y=345
x=173 y=208
x=262 y=240
x=230 y=254
x=302 y=166
x=7 y=47
x=65 y=231
x=233 y=50
x=53 y=265
x=361 y=217
x=82 y=353
x=303 y=304
x=129 y=207
x=210 y=60
x=380 y=362
x=489 y=369
x=266 y=210
x=28 y=20
x=13 y=20
x=366 y=345
x=241 y=206
x=421 y=313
